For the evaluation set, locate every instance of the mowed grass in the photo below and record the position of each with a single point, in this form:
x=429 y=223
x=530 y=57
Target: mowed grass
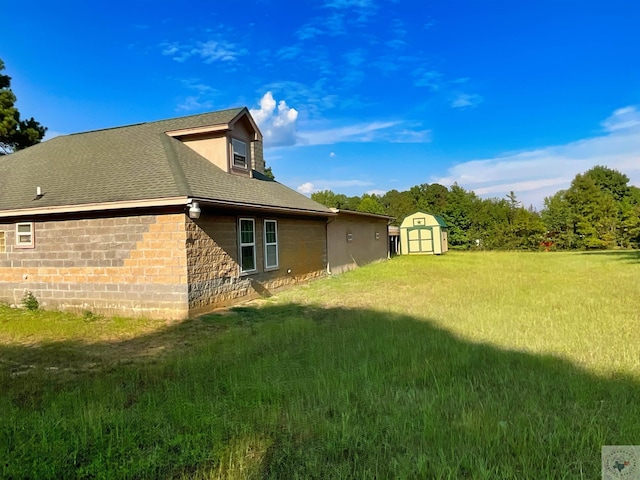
x=468 y=365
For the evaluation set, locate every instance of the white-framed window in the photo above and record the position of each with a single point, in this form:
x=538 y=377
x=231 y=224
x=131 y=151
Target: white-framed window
x=24 y=235
x=239 y=153
x=270 y=244
x=247 y=237
x=3 y=243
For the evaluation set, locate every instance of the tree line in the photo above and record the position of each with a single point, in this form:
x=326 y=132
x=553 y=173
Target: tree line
x=600 y=210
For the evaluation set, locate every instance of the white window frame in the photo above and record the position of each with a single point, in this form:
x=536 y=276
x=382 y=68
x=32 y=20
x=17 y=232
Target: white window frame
x=236 y=144
x=25 y=244
x=270 y=244
x=247 y=244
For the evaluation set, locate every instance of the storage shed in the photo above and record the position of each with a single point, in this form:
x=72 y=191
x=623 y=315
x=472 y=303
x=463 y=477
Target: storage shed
x=423 y=233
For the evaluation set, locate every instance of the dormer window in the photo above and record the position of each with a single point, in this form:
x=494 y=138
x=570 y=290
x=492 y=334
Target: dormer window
x=239 y=153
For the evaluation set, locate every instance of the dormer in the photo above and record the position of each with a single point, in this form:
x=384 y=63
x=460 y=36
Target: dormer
x=235 y=146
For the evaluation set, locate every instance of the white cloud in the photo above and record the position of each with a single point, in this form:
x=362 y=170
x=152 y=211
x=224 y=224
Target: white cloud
x=200 y=99
x=210 y=51
x=432 y=79
x=342 y=4
x=465 y=100
x=534 y=174
x=411 y=136
x=623 y=118
x=376 y=192
x=213 y=51
x=308 y=188
x=192 y=103
x=332 y=154
x=363 y=132
x=278 y=124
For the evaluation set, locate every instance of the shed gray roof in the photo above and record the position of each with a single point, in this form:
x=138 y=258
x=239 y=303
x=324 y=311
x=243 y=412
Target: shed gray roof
x=135 y=163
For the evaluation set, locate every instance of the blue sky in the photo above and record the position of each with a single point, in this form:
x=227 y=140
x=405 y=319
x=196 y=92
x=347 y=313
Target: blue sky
x=354 y=95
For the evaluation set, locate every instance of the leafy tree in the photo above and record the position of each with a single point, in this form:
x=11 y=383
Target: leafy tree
x=610 y=181
x=513 y=200
x=329 y=199
x=399 y=205
x=458 y=214
x=558 y=221
x=269 y=173
x=336 y=200
x=15 y=134
x=430 y=198
x=629 y=227
x=594 y=213
x=370 y=204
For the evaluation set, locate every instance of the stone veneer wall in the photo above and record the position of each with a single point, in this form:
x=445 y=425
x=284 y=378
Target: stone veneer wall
x=257 y=156
x=212 y=252
x=128 y=265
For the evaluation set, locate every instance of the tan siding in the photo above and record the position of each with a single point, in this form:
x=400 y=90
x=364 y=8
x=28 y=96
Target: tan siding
x=363 y=248
x=130 y=265
x=212 y=252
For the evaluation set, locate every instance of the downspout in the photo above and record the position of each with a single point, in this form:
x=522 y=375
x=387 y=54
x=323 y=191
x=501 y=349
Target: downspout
x=388 y=237
x=326 y=236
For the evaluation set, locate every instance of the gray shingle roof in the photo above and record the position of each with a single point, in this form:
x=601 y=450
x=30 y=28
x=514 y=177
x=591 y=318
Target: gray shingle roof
x=132 y=163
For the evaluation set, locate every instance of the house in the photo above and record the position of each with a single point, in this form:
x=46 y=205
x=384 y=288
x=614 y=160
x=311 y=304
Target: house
x=423 y=233
x=163 y=219
x=355 y=239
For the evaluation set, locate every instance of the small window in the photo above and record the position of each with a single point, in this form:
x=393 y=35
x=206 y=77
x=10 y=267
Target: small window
x=3 y=243
x=270 y=244
x=239 y=153
x=24 y=235
x=247 y=234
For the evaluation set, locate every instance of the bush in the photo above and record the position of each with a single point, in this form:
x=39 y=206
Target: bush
x=29 y=301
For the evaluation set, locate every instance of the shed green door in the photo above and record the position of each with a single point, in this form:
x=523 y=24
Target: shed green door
x=420 y=239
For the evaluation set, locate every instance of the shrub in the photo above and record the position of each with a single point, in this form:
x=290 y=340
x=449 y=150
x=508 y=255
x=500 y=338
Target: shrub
x=29 y=301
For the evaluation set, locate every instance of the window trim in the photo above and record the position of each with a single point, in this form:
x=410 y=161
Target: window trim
x=3 y=242
x=31 y=243
x=266 y=244
x=245 y=156
x=251 y=244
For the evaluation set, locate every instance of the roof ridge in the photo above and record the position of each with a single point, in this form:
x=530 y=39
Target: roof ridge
x=238 y=109
x=180 y=179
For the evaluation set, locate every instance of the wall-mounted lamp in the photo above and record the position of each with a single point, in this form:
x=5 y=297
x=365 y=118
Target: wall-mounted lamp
x=194 y=210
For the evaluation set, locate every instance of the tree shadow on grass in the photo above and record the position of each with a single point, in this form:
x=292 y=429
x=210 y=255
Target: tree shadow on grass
x=629 y=256
x=294 y=391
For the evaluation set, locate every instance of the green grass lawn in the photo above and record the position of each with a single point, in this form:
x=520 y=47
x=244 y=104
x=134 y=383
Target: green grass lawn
x=482 y=365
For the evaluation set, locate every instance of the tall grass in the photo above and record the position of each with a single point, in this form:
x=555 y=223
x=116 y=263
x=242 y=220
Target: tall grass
x=461 y=366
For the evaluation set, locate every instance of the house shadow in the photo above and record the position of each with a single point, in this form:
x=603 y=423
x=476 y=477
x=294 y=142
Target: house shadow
x=298 y=391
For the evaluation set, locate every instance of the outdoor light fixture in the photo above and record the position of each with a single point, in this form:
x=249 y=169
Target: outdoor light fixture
x=194 y=210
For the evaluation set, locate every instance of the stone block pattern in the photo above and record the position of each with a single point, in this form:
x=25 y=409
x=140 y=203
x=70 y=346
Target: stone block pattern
x=127 y=265
x=257 y=156
x=212 y=259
